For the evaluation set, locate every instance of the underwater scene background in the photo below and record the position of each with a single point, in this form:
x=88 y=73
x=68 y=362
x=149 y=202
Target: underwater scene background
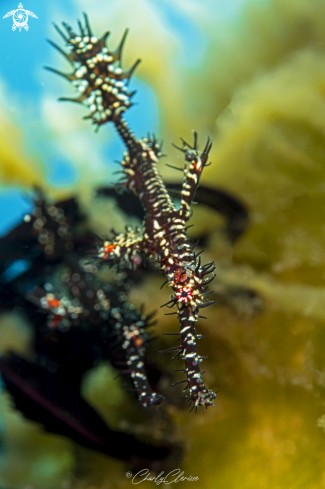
x=251 y=75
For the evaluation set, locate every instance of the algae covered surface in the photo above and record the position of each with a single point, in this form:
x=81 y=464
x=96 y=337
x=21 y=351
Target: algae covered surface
x=251 y=75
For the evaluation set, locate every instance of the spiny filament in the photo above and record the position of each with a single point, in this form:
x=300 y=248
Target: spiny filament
x=97 y=76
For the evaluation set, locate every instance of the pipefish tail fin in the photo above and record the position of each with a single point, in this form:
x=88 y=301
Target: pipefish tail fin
x=98 y=75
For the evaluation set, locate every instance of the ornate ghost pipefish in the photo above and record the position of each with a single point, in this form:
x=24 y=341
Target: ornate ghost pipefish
x=103 y=87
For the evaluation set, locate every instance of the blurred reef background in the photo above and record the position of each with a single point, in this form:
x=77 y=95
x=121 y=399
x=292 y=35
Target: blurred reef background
x=251 y=74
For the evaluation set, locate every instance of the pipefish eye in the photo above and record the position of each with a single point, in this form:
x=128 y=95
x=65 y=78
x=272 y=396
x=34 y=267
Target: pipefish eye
x=191 y=155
